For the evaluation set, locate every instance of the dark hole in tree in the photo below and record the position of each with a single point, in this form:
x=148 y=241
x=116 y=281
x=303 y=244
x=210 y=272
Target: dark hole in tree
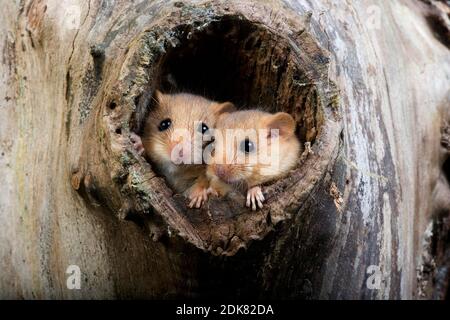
x=245 y=63
x=440 y=28
x=446 y=169
x=228 y=59
x=136 y=100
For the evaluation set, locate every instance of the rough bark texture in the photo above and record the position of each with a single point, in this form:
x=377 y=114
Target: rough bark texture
x=371 y=100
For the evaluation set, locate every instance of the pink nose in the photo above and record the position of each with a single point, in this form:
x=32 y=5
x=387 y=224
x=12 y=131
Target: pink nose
x=181 y=152
x=221 y=172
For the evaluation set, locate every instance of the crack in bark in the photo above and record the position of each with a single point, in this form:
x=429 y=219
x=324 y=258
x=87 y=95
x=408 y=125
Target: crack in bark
x=69 y=61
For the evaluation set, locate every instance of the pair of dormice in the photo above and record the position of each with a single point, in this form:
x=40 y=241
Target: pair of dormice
x=207 y=148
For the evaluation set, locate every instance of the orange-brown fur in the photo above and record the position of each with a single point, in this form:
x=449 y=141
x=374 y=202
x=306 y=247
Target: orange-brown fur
x=224 y=176
x=184 y=110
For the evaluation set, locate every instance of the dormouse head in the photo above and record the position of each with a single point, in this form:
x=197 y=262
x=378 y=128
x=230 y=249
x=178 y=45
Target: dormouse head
x=253 y=147
x=178 y=126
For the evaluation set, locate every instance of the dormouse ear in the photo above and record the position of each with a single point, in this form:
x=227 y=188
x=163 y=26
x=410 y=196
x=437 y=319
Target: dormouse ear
x=220 y=108
x=283 y=122
x=159 y=96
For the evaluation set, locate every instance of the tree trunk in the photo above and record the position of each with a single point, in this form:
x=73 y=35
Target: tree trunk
x=365 y=215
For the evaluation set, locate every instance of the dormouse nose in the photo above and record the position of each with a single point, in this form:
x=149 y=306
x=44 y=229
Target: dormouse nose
x=180 y=152
x=222 y=172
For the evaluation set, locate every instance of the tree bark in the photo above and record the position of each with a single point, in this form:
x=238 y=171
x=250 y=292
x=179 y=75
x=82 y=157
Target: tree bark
x=368 y=83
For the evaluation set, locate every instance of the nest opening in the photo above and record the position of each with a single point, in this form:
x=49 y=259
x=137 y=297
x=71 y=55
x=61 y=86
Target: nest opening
x=272 y=66
x=233 y=59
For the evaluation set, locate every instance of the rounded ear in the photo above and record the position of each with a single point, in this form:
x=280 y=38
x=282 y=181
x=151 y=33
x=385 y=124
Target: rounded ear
x=220 y=108
x=159 y=96
x=283 y=122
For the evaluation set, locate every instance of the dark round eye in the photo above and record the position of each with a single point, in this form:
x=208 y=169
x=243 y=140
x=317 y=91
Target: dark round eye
x=164 y=125
x=247 y=146
x=203 y=128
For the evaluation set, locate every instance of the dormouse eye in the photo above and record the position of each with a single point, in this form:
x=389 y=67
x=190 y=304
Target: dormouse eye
x=203 y=128
x=247 y=146
x=164 y=125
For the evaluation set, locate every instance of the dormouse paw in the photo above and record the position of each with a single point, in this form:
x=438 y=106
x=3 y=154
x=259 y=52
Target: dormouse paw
x=255 y=198
x=198 y=196
x=212 y=191
x=137 y=143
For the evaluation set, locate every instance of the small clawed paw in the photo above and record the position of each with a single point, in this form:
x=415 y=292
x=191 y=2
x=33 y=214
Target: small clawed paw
x=198 y=197
x=212 y=191
x=255 y=198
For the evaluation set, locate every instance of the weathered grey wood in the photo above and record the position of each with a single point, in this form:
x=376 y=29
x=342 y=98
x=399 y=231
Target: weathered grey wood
x=372 y=206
